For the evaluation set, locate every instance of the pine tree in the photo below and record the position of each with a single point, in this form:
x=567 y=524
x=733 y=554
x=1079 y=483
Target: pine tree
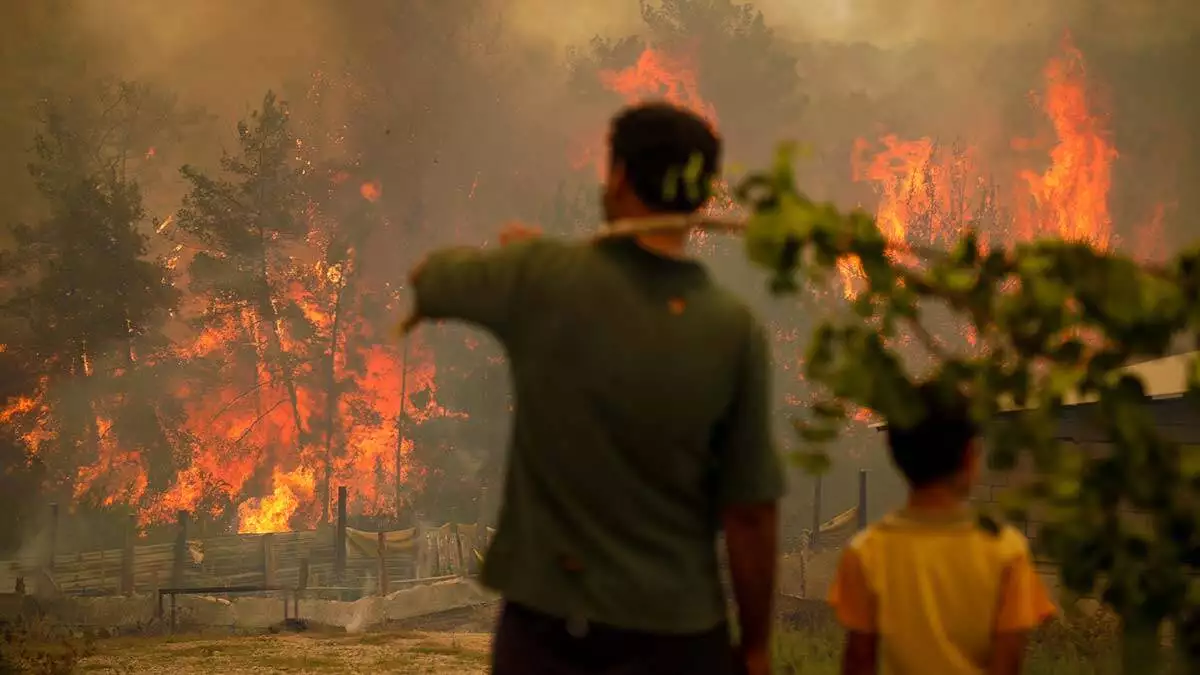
x=248 y=225
x=86 y=309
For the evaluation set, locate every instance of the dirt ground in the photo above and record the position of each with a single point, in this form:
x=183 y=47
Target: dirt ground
x=453 y=642
x=391 y=651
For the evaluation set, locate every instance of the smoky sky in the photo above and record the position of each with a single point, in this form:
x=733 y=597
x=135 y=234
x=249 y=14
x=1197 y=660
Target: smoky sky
x=226 y=52
x=223 y=54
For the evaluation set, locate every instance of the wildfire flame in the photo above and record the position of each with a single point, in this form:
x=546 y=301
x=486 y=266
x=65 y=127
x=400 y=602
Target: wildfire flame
x=656 y=75
x=260 y=441
x=659 y=75
x=1070 y=199
x=930 y=194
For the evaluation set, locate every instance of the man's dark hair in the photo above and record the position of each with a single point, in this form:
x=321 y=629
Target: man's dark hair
x=670 y=155
x=935 y=448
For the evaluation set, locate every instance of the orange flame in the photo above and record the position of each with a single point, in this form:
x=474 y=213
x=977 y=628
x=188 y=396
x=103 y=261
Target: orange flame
x=655 y=75
x=1070 y=199
x=274 y=512
x=371 y=191
x=263 y=439
x=921 y=186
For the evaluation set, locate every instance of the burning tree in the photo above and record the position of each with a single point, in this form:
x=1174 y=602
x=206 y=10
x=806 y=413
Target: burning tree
x=88 y=308
x=248 y=227
x=22 y=474
x=291 y=391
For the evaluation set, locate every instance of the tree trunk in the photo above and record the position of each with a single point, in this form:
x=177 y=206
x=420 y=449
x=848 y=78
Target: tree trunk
x=332 y=397
x=276 y=355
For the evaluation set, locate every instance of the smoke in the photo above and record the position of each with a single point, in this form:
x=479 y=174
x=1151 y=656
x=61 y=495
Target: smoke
x=225 y=54
x=983 y=22
x=887 y=23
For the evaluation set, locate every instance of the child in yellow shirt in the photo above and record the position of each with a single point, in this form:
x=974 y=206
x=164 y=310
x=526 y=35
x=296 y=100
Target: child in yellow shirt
x=932 y=589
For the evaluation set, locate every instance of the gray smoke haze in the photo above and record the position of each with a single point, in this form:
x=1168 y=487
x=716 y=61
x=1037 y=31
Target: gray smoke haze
x=226 y=52
x=984 y=22
x=890 y=23
x=474 y=153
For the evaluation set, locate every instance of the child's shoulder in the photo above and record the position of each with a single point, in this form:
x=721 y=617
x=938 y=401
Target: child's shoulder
x=994 y=533
x=1011 y=541
x=1006 y=541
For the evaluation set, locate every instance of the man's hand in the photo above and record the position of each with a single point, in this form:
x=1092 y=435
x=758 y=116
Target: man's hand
x=517 y=231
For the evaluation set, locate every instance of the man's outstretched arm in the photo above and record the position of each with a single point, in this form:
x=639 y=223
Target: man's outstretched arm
x=751 y=483
x=470 y=284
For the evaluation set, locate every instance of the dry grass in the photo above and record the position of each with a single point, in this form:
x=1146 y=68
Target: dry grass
x=397 y=652
x=1081 y=646
x=809 y=645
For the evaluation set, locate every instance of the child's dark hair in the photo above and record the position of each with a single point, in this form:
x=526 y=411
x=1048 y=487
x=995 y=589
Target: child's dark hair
x=670 y=155
x=935 y=448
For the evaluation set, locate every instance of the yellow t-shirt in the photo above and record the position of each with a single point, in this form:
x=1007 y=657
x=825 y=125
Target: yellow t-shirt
x=935 y=589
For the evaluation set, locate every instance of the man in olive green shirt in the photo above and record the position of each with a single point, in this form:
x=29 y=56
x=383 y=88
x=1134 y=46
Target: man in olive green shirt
x=641 y=430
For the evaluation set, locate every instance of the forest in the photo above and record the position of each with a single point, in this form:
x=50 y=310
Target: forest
x=196 y=296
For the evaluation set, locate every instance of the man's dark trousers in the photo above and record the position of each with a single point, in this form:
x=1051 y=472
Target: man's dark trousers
x=531 y=643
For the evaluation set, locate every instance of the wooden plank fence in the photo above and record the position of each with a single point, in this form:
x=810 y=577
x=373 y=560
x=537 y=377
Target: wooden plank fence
x=371 y=561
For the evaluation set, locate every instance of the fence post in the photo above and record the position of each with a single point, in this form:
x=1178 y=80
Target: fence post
x=420 y=543
x=456 y=555
x=814 y=539
x=478 y=546
x=339 y=552
x=804 y=553
x=301 y=586
x=268 y=559
x=52 y=538
x=437 y=564
x=862 y=499
x=381 y=538
x=482 y=512
x=127 y=581
x=181 y=551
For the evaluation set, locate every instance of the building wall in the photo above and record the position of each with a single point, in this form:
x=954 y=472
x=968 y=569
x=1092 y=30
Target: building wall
x=1177 y=418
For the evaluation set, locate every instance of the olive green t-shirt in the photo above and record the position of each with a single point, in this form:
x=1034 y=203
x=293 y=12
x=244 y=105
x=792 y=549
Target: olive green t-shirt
x=641 y=409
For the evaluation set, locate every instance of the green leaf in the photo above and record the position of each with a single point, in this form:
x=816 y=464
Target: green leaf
x=1189 y=462
x=829 y=410
x=1065 y=487
x=1014 y=502
x=812 y=463
x=959 y=280
x=816 y=433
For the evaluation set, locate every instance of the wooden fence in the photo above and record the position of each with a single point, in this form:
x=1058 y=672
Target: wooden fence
x=368 y=561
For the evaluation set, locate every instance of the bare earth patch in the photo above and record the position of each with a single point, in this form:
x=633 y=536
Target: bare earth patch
x=383 y=652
